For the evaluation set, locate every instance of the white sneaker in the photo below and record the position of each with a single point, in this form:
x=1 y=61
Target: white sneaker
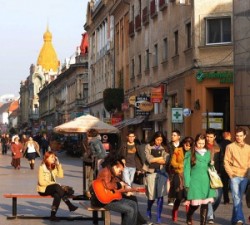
x=170 y=203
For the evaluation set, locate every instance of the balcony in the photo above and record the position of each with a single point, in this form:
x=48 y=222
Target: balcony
x=80 y=102
x=131 y=28
x=153 y=11
x=145 y=18
x=163 y=4
x=138 y=22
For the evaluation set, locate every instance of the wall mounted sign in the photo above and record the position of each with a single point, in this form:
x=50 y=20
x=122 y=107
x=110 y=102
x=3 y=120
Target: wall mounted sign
x=223 y=76
x=142 y=103
x=177 y=115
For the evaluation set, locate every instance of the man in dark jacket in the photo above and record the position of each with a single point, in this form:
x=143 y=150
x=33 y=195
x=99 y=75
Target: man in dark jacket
x=224 y=176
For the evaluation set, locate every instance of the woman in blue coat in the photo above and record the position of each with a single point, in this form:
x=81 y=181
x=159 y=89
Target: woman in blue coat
x=196 y=179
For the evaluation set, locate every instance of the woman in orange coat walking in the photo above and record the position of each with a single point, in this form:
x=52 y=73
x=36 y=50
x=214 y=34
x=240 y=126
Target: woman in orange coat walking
x=177 y=163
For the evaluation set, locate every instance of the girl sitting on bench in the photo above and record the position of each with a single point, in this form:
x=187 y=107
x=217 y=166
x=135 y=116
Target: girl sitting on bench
x=48 y=171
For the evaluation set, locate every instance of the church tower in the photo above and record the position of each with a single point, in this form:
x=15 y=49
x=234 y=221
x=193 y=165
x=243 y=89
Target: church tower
x=47 y=58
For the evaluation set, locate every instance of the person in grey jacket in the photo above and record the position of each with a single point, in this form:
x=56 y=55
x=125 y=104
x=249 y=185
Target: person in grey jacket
x=96 y=147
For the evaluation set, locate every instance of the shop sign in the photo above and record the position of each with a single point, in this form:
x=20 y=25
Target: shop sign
x=125 y=106
x=116 y=119
x=215 y=123
x=224 y=77
x=187 y=112
x=146 y=106
x=131 y=100
x=157 y=94
x=177 y=115
x=142 y=103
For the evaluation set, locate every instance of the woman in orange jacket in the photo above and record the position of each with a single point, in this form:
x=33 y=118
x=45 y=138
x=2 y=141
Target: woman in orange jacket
x=177 y=163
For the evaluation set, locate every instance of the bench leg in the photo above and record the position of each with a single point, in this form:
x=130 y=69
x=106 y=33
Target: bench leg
x=95 y=217
x=14 y=206
x=107 y=218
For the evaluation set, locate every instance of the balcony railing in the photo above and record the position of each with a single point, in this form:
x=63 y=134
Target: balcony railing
x=145 y=16
x=131 y=28
x=153 y=11
x=138 y=22
x=80 y=102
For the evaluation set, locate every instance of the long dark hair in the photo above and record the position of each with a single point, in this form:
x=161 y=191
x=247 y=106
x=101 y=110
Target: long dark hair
x=111 y=160
x=189 y=140
x=156 y=135
x=193 y=155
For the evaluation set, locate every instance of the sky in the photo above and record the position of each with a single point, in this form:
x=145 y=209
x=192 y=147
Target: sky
x=22 y=25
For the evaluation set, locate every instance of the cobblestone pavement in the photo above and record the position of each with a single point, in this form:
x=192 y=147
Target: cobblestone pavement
x=24 y=181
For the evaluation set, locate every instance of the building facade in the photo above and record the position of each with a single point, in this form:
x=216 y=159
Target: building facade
x=100 y=28
x=180 y=59
x=241 y=23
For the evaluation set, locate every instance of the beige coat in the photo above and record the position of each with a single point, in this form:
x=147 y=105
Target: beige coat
x=45 y=177
x=237 y=160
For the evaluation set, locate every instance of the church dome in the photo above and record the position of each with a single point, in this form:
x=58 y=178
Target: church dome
x=47 y=58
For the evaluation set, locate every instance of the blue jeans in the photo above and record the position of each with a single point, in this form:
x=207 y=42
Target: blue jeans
x=238 y=186
x=128 y=175
x=213 y=206
x=128 y=209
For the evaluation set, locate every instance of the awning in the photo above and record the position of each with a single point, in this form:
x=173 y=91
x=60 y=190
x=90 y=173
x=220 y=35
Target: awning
x=131 y=121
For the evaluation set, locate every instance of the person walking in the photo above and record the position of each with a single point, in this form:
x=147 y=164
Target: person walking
x=214 y=148
x=16 y=149
x=237 y=164
x=96 y=147
x=156 y=176
x=130 y=152
x=224 y=176
x=4 y=142
x=177 y=164
x=172 y=145
x=31 y=152
x=48 y=171
x=44 y=143
x=197 y=181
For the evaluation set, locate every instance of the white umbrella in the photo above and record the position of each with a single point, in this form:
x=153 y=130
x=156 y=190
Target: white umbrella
x=83 y=124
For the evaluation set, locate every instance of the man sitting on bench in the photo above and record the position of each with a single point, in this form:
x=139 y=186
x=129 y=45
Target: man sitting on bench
x=106 y=191
x=48 y=171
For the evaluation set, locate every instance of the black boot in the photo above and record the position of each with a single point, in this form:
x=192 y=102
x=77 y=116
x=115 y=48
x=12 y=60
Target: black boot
x=53 y=215
x=190 y=213
x=71 y=207
x=32 y=166
x=203 y=214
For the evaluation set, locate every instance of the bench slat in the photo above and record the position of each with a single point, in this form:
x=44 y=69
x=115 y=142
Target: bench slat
x=25 y=196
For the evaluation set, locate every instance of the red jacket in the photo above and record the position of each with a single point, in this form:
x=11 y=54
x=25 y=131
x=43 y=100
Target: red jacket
x=17 y=150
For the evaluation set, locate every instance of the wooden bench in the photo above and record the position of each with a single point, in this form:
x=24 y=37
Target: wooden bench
x=15 y=196
x=106 y=217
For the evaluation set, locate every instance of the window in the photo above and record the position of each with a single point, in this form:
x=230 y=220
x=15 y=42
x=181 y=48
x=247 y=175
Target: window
x=147 y=60
x=165 y=49
x=218 y=30
x=189 y=35
x=139 y=64
x=176 y=37
x=132 y=69
x=156 y=55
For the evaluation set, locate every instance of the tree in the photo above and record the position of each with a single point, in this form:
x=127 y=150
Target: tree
x=113 y=99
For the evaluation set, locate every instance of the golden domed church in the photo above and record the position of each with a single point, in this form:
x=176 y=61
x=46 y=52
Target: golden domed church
x=47 y=58
x=40 y=75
